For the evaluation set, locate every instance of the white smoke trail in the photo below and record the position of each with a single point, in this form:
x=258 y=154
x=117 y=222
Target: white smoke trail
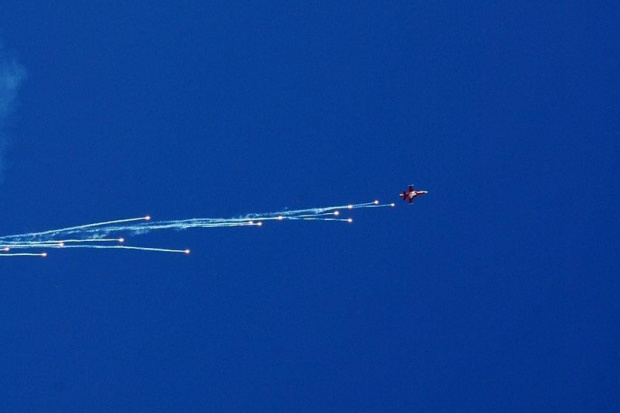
x=125 y=247
x=24 y=254
x=91 y=236
x=102 y=229
x=80 y=229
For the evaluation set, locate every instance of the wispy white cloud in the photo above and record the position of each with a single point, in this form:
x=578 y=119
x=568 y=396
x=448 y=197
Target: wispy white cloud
x=12 y=75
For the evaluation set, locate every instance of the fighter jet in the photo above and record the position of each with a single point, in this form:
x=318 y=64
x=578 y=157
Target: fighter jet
x=410 y=194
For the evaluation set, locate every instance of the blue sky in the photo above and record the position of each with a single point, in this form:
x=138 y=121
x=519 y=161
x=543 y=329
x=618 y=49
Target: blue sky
x=496 y=292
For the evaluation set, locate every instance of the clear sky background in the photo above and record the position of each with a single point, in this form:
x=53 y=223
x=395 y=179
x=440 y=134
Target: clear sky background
x=499 y=291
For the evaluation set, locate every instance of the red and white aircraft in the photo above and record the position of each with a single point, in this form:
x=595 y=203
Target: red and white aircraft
x=411 y=193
